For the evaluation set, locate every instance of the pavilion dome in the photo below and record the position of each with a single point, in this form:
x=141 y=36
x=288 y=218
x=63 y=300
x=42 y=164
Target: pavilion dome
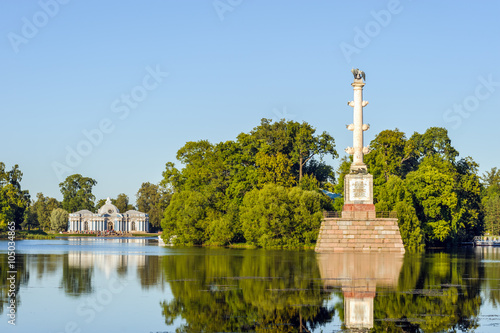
x=108 y=208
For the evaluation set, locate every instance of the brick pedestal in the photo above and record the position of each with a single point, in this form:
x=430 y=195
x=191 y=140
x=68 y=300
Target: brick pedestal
x=358 y=230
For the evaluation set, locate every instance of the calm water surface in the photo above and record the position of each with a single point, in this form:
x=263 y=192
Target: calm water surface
x=134 y=285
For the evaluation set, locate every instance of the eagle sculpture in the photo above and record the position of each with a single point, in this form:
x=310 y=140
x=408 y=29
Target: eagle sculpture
x=358 y=74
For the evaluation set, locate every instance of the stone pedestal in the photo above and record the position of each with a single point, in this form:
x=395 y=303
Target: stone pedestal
x=359 y=234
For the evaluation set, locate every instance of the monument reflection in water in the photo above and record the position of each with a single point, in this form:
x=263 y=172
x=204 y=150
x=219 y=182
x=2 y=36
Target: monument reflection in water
x=223 y=290
x=358 y=276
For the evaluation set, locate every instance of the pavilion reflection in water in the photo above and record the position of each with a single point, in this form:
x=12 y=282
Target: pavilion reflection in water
x=359 y=276
x=107 y=262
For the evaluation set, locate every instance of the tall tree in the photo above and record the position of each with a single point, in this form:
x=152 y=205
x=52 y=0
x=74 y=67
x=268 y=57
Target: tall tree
x=434 y=141
x=491 y=178
x=30 y=218
x=387 y=156
x=153 y=199
x=13 y=199
x=218 y=176
x=492 y=215
x=59 y=219
x=295 y=140
x=491 y=200
x=307 y=145
x=274 y=169
x=100 y=203
x=44 y=207
x=122 y=203
x=77 y=193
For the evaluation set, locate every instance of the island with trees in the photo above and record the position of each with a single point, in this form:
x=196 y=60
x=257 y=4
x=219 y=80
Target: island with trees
x=266 y=188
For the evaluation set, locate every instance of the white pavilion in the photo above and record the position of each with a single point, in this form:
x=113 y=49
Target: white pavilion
x=109 y=218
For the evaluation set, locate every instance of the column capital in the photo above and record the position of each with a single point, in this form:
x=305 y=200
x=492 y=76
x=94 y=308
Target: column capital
x=358 y=84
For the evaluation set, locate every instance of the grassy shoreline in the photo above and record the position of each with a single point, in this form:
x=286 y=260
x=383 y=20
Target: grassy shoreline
x=28 y=234
x=40 y=234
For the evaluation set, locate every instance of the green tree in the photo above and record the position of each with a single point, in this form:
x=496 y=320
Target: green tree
x=185 y=218
x=274 y=169
x=100 y=203
x=222 y=175
x=427 y=180
x=492 y=215
x=394 y=196
x=275 y=216
x=13 y=199
x=306 y=145
x=43 y=207
x=77 y=193
x=122 y=203
x=388 y=156
x=434 y=141
x=491 y=200
x=432 y=189
x=343 y=169
x=59 y=219
x=297 y=141
x=30 y=218
x=152 y=199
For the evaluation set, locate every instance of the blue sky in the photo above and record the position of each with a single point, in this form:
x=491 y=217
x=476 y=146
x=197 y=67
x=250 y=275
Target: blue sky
x=141 y=78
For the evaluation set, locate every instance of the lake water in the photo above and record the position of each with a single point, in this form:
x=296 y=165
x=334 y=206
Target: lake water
x=134 y=285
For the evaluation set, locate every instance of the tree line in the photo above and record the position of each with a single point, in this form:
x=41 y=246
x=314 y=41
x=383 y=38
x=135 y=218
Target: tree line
x=440 y=198
x=47 y=213
x=266 y=188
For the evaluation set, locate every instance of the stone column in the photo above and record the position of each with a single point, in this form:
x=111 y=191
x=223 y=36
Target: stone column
x=357 y=150
x=358 y=184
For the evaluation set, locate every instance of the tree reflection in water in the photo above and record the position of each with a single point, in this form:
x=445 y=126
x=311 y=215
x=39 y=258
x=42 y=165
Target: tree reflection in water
x=284 y=291
x=433 y=293
x=77 y=275
x=262 y=291
x=220 y=291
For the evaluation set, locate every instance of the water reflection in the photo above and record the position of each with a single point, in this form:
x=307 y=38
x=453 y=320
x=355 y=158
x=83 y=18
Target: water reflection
x=490 y=261
x=220 y=290
x=358 y=276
